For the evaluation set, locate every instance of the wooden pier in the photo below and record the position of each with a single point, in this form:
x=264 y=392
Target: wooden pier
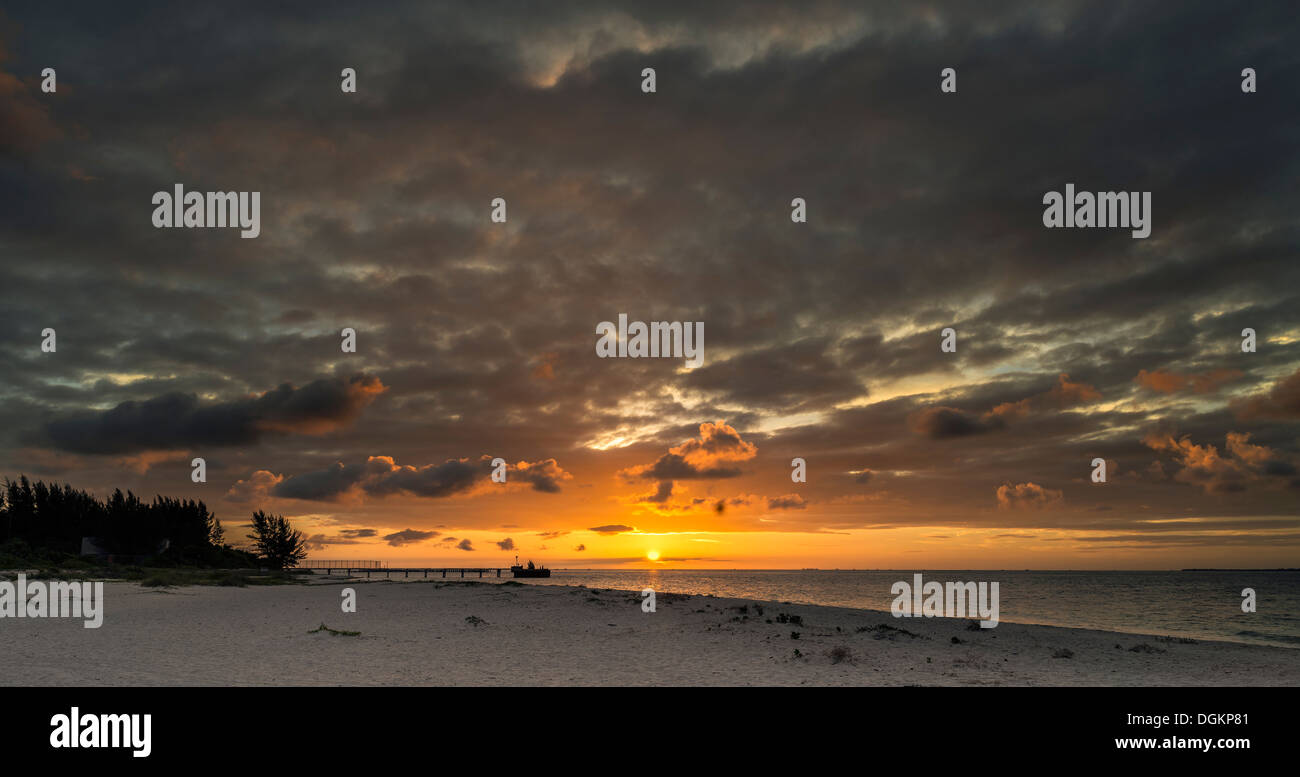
x=355 y=568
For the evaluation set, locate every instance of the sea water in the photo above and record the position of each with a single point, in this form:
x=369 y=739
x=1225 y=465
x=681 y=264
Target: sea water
x=1199 y=605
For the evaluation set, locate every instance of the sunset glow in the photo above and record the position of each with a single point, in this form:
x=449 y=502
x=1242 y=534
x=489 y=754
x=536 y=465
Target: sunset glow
x=412 y=372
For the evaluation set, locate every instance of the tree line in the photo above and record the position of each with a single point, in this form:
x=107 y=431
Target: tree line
x=49 y=520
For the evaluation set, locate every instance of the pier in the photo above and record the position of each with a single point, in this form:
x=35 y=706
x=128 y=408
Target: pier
x=354 y=568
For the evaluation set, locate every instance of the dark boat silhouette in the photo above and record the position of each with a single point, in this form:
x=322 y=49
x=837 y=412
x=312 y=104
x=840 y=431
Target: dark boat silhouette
x=529 y=571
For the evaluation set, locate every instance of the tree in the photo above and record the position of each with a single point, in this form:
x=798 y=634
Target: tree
x=216 y=533
x=277 y=541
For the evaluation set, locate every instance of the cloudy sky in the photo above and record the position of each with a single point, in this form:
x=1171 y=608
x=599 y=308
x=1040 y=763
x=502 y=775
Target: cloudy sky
x=476 y=340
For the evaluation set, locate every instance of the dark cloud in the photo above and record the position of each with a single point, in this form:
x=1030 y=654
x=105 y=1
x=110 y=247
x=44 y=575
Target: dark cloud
x=661 y=495
x=790 y=377
x=613 y=528
x=181 y=421
x=786 y=502
x=940 y=423
x=544 y=476
x=1281 y=402
x=409 y=536
x=381 y=476
x=822 y=338
x=322 y=541
x=506 y=544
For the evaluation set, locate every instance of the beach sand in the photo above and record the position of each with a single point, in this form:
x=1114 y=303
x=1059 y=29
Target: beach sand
x=445 y=633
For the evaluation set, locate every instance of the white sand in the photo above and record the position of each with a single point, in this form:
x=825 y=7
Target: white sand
x=417 y=634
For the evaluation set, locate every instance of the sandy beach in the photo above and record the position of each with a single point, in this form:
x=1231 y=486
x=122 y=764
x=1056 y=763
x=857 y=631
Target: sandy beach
x=445 y=633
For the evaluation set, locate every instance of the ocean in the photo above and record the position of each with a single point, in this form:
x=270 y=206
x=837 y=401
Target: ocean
x=1199 y=605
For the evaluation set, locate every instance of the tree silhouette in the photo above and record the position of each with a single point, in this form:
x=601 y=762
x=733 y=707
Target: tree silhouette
x=281 y=545
x=216 y=534
x=51 y=520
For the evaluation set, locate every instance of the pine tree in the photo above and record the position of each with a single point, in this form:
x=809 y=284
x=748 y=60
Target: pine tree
x=216 y=534
x=275 y=539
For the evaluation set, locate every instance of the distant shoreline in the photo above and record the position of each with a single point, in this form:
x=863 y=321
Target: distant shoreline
x=1244 y=569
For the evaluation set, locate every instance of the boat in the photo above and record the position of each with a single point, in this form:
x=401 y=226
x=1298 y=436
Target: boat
x=531 y=570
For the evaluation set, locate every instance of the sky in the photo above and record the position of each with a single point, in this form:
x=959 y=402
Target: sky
x=477 y=339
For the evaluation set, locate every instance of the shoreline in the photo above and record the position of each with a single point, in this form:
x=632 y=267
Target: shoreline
x=340 y=580
x=508 y=633
x=963 y=621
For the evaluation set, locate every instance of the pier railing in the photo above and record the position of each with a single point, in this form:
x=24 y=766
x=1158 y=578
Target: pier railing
x=339 y=564
x=355 y=568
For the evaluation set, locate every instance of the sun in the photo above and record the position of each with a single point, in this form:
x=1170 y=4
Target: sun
x=653 y=555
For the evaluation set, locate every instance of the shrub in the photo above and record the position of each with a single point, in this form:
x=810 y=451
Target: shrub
x=1145 y=648
x=334 y=632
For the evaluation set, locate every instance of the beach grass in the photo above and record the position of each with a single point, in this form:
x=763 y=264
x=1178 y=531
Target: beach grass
x=334 y=632
x=160 y=577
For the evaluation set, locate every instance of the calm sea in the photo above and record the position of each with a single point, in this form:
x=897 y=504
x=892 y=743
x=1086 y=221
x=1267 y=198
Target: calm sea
x=1201 y=605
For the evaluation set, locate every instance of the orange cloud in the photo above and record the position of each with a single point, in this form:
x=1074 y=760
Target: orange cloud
x=703 y=457
x=1255 y=455
x=1027 y=496
x=256 y=488
x=1204 y=466
x=1059 y=397
x=545 y=369
x=25 y=123
x=1167 y=382
x=717 y=442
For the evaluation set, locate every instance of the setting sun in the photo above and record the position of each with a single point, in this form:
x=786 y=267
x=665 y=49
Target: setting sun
x=653 y=555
